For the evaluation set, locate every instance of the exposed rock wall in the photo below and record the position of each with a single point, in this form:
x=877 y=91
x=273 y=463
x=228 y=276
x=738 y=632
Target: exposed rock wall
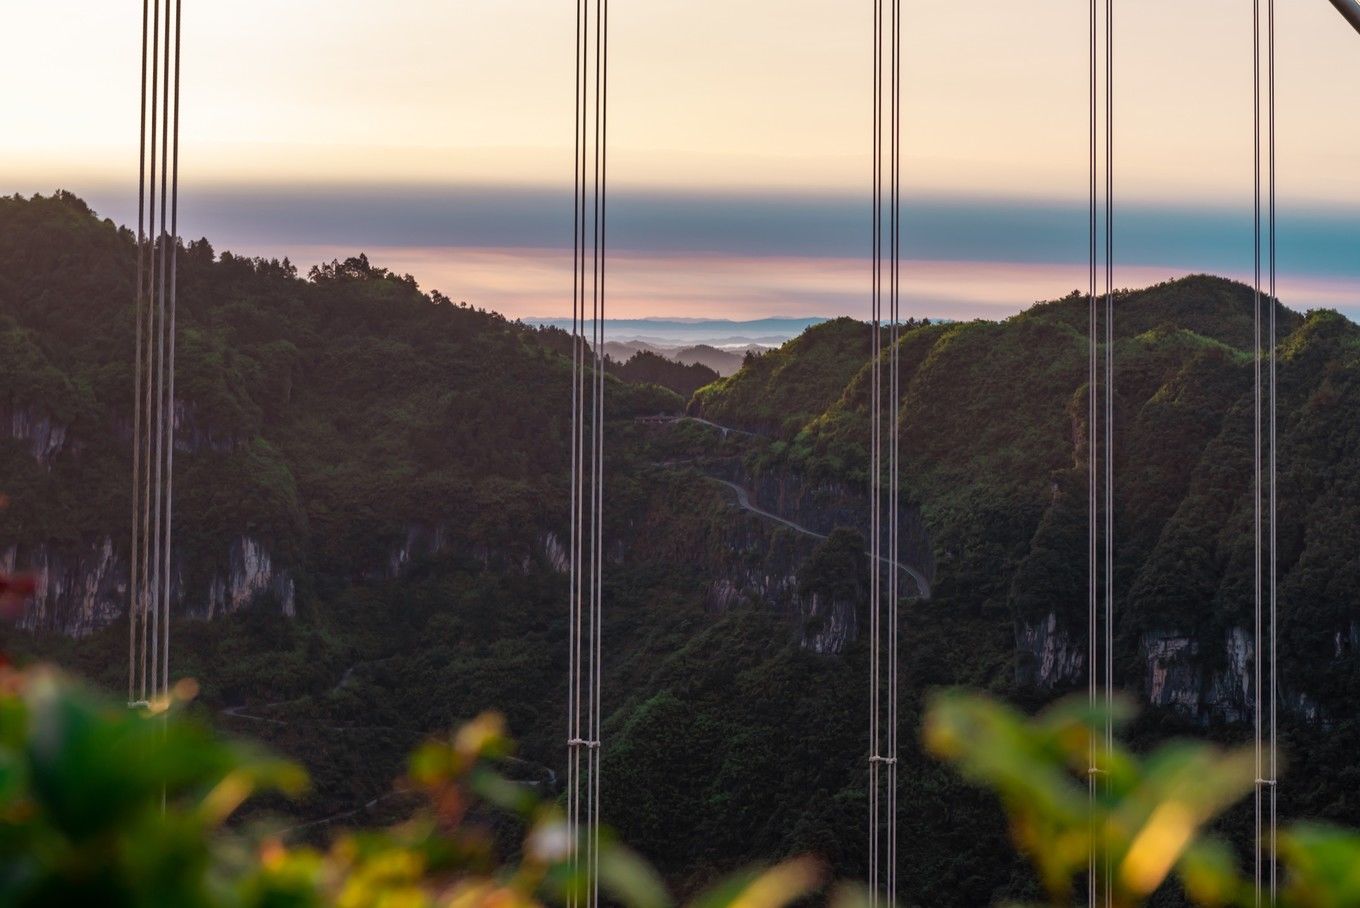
x=83 y=587
x=1175 y=671
x=44 y=437
x=763 y=568
x=1047 y=656
x=421 y=541
x=80 y=588
x=250 y=576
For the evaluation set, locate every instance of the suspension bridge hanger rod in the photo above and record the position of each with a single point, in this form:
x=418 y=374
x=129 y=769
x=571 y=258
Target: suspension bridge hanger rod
x=1350 y=9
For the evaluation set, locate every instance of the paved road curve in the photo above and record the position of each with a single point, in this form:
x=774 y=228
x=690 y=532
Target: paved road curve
x=744 y=502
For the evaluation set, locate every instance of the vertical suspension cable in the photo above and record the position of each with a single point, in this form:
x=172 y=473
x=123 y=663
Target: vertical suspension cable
x=148 y=557
x=1265 y=477
x=586 y=590
x=1100 y=503
x=875 y=458
x=884 y=548
x=157 y=361
x=1109 y=372
x=894 y=401
x=170 y=365
x=164 y=429
x=574 y=572
x=602 y=150
x=1109 y=399
x=134 y=579
x=1274 y=535
x=1093 y=458
x=151 y=563
x=1257 y=491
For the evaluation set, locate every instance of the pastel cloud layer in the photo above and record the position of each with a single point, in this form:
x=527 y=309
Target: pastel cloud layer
x=436 y=136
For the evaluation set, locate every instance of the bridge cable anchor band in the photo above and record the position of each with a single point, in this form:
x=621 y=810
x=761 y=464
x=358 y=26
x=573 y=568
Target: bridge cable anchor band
x=1266 y=782
x=582 y=742
x=876 y=758
x=138 y=704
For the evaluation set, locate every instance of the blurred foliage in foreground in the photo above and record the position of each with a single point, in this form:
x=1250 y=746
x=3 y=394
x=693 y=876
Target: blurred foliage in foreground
x=102 y=805
x=1147 y=818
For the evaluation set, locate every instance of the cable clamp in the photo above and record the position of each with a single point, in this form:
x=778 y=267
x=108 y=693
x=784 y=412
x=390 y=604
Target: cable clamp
x=1267 y=782
x=582 y=742
x=138 y=704
x=876 y=758
x=1094 y=771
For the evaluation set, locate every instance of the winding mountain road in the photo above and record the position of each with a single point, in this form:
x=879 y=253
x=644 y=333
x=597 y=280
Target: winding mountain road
x=725 y=430
x=745 y=503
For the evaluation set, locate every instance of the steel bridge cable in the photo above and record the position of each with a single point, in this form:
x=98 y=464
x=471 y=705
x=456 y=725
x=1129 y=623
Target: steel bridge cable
x=602 y=149
x=875 y=469
x=884 y=542
x=1093 y=385
x=134 y=579
x=1274 y=449
x=151 y=560
x=1350 y=9
x=573 y=630
x=170 y=366
x=586 y=610
x=1100 y=459
x=894 y=386
x=876 y=619
x=152 y=397
x=1265 y=498
x=1109 y=397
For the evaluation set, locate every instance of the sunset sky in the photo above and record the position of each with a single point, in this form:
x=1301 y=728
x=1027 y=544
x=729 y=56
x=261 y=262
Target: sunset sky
x=435 y=135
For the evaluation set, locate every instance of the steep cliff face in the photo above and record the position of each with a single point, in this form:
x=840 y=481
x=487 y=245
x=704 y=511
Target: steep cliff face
x=824 y=505
x=1172 y=665
x=422 y=541
x=81 y=588
x=1047 y=656
x=43 y=437
x=703 y=527
x=1173 y=670
x=1175 y=676
x=826 y=623
x=84 y=587
x=555 y=553
x=764 y=566
x=250 y=576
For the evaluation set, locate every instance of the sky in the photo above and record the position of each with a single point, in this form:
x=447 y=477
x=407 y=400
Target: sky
x=435 y=135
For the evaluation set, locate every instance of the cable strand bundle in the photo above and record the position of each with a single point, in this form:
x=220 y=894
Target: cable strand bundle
x=586 y=612
x=1100 y=420
x=153 y=420
x=884 y=541
x=1264 y=497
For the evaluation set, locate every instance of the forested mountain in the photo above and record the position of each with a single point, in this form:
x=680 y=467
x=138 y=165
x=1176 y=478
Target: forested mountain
x=994 y=447
x=372 y=496
x=648 y=368
x=329 y=427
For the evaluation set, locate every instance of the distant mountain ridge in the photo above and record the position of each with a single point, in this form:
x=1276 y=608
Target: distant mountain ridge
x=724 y=362
x=681 y=332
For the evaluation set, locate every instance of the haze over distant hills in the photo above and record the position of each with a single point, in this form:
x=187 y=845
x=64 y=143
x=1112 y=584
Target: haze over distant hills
x=719 y=344
x=684 y=332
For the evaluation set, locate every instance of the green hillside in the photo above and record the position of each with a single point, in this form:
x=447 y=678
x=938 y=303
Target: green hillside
x=405 y=459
